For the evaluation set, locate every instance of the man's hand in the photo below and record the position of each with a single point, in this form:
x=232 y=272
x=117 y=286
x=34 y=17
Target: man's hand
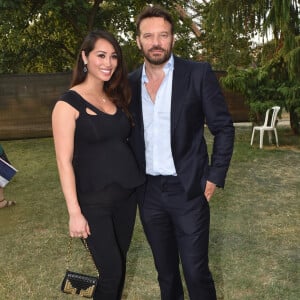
x=209 y=190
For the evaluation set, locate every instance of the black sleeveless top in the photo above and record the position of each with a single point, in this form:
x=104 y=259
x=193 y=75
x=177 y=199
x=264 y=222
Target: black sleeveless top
x=101 y=153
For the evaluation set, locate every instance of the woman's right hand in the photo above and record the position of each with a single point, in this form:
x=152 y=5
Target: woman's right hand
x=78 y=226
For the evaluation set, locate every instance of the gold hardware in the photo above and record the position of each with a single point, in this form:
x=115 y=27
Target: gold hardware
x=87 y=292
x=68 y=257
x=68 y=288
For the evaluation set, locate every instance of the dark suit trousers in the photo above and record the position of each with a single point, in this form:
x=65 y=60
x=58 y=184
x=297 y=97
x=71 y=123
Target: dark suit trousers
x=177 y=227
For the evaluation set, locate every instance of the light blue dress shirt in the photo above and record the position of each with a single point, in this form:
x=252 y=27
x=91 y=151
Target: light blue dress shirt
x=157 y=124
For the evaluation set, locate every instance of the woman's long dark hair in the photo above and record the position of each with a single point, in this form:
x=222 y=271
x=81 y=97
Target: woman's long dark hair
x=117 y=88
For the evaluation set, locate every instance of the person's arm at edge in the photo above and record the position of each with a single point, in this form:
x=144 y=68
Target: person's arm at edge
x=63 y=125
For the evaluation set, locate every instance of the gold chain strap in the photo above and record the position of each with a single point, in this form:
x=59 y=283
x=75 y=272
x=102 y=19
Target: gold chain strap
x=68 y=257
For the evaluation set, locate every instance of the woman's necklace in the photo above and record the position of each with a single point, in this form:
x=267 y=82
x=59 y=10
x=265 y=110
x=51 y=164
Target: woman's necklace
x=103 y=99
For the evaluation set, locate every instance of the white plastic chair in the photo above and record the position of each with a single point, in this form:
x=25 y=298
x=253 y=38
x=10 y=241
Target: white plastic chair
x=269 y=125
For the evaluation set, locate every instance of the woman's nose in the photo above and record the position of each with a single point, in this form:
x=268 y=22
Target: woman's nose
x=107 y=61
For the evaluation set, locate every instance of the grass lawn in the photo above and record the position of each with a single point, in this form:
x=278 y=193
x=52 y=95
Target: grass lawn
x=254 y=249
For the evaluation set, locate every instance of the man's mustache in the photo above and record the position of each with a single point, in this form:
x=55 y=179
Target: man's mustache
x=156 y=48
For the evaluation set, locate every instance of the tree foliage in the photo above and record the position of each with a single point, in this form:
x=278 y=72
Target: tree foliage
x=277 y=65
x=44 y=35
x=40 y=36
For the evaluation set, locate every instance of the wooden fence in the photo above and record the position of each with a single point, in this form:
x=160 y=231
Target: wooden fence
x=26 y=103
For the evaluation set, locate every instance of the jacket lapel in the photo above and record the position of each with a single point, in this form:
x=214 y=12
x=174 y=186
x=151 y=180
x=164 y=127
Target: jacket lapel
x=137 y=103
x=178 y=92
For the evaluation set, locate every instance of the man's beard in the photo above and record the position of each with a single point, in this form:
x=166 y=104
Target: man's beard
x=157 y=60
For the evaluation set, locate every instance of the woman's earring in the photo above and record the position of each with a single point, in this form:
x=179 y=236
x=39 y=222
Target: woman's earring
x=85 y=69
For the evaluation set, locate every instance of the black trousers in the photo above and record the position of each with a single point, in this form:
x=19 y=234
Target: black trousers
x=111 y=216
x=177 y=228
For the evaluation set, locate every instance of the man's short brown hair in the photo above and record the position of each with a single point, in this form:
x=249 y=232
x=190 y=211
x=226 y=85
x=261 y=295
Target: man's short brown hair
x=154 y=11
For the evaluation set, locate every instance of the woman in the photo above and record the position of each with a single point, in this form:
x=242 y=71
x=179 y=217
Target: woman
x=97 y=170
x=3 y=202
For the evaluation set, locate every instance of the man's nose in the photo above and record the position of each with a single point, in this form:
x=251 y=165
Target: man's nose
x=156 y=39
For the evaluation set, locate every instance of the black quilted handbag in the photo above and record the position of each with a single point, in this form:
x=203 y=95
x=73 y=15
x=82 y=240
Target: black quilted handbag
x=77 y=283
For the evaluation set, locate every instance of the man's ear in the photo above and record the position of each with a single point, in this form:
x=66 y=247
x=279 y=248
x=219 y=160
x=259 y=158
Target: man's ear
x=173 y=42
x=138 y=42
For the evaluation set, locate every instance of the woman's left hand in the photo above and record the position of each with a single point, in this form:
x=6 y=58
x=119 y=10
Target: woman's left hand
x=79 y=226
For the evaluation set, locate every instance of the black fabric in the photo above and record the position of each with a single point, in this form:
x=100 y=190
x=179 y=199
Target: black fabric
x=174 y=213
x=106 y=175
x=196 y=100
x=111 y=222
x=178 y=227
x=101 y=151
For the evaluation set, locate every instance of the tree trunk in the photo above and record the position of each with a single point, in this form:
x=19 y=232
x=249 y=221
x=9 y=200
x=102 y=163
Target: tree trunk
x=295 y=122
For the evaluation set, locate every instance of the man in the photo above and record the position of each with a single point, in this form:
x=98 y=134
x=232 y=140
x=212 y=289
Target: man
x=171 y=100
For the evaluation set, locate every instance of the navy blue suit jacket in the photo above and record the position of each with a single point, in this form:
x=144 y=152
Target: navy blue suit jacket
x=196 y=100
